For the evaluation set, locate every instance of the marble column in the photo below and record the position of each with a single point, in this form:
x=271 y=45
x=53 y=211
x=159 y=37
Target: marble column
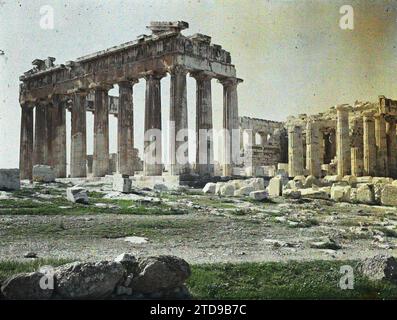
x=178 y=141
x=313 y=154
x=391 y=146
x=295 y=151
x=152 y=158
x=204 y=124
x=100 y=164
x=369 y=144
x=40 y=134
x=125 y=128
x=382 y=168
x=78 y=141
x=58 y=135
x=26 y=142
x=343 y=140
x=231 y=143
x=357 y=147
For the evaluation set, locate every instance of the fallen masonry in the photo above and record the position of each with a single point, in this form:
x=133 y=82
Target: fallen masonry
x=124 y=278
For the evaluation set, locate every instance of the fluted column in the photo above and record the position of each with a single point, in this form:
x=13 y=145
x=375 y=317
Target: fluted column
x=231 y=143
x=152 y=158
x=313 y=156
x=204 y=124
x=369 y=144
x=357 y=147
x=343 y=140
x=382 y=168
x=125 y=128
x=100 y=164
x=26 y=142
x=178 y=142
x=295 y=151
x=58 y=137
x=78 y=141
x=391 y=146
x=40 y=134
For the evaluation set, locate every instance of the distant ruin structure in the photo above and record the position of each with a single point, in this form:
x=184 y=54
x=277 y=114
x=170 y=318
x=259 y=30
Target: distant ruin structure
x=47 y=91
x=358 y=140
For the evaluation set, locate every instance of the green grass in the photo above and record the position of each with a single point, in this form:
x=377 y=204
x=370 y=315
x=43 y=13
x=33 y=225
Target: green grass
x=292 y=280
x=10 y=267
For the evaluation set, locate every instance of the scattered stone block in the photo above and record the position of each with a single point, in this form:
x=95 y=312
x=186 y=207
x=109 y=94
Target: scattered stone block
x=340 y=193
x=161 y=187
x=351 y=180
x=88 y=280
x=227 y=190
x=121 y=183
x=332 y=179
x=388 y=195
x=382 y=180
x=310 y=181
x=292 y=194
x=311 y=193
x=43 y=173
x=9 y=179
x=256 y=183
x=275 y=187
x=364 y=179
x=77 y=194
x=26 y=286
x=244 y=191
x=209 y=188
x=218 y=187
x=259 y=195
x=326 y=243
x=365 y=193
x=379 y=267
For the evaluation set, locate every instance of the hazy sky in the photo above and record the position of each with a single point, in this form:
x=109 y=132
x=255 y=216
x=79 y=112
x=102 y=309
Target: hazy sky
x=293 y=56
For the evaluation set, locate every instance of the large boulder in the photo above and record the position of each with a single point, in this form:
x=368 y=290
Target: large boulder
x=340 y=193
x=256 y=183
x=43 y=173
x=388 y=195
x=218 y=187
x=275 y=187
x=160 y=273
x=88 y=280
x=9 y=179
x=209 y=188
x=77 y=194
x=26 y=286
x=365 y=193
x=310 y=181
x=121 y=183
x=379 y=267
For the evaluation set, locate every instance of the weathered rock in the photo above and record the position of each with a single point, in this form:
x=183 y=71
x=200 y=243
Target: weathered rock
x=311 y=193
x=388 y=195
x=292 y=194
x=43 y=173
x=332 y=179
x=9 y=179
x=351 y=180
x=326 y=243
x=88 y=280
x=294 y=185
x=121 y=183
x=379 y=267
x=259 y=195
x=227 y=190
x=365 y=193
x=218 y=187
x=160 y=187
x=209 y=188
x=340 y=193
x=244 y=191
x=275 y=187
x=256 y=183
x=382 y=180
x=26 y=286
x=77 y=194
x=128 y=261
x=159 y=273
x=364 y=179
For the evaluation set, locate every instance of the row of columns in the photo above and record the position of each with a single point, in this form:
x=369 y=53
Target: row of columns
x=49 y=143
x=373 y=153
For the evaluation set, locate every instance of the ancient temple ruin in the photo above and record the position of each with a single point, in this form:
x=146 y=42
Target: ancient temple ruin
x=47 y=91
x=358 y=140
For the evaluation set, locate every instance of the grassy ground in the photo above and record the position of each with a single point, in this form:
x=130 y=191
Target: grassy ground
x=292 y=280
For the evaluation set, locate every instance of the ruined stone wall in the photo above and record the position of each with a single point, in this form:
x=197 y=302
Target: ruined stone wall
x=264 y=142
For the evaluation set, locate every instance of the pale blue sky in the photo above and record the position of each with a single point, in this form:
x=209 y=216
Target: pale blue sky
x=292 y=55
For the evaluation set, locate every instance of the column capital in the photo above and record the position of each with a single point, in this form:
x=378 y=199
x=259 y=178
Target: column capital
x=343 y=108
x=79 y=91
x=154 y=75
x=368 y=114
x=390 y=118
x=128 y=83
x=229 y=82
x=100 y=86
x=201 y=75
x=178 y=69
